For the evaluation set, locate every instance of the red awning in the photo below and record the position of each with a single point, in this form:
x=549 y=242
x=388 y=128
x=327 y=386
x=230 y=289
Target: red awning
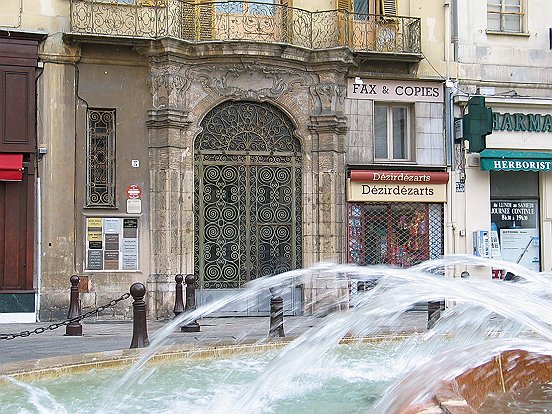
x=11 y=167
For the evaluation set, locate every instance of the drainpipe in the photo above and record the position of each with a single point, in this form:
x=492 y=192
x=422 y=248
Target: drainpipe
x=447 y=37
x=38 y=196
x=38 y=246
x=452 y=231
x=455 y=28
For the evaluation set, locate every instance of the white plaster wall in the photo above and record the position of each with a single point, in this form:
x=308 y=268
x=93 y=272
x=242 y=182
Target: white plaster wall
x=434 y=42
x=35 y=15
x=514 y=64
x=477 y=207
x=522 y=59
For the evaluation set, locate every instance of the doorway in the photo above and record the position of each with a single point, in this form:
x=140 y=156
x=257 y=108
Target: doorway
x=247 y=204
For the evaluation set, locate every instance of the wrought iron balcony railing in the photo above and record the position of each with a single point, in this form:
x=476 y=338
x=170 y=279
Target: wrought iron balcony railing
x=246 y=21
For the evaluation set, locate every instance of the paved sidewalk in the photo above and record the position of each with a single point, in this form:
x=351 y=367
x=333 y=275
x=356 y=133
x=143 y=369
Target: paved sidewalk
x=102 y=336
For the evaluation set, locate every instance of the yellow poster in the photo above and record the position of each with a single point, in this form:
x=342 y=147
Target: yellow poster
x=94 y=222
x=94 y=236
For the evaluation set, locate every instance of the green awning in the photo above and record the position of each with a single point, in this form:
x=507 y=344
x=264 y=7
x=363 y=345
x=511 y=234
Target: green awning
x=504 y=160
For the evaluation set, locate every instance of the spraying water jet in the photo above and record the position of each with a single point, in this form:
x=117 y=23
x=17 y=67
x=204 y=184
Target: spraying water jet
x=498 y=331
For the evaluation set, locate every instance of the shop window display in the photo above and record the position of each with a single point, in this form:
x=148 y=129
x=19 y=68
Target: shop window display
x=398 y=234
x=515 y=228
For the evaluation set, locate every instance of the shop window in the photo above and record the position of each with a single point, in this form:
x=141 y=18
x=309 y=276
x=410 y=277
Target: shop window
x=505 y=16
x=111 y=243
x=515 y=222
x=398 y=234
x=100 y=158
x=391 y=132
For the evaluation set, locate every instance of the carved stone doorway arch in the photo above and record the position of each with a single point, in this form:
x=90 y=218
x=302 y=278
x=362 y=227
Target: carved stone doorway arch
x=247 y=204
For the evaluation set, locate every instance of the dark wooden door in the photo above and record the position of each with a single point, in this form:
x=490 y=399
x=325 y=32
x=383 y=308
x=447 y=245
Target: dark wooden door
x=16 y=232
x=18 y=72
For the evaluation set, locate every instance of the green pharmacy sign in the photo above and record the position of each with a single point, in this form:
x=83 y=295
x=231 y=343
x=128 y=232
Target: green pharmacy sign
x=522 y=122
x=504 y=160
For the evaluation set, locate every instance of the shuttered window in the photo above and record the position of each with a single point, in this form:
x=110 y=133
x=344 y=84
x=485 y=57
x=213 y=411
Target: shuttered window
x=389 y=7
x=344 y=4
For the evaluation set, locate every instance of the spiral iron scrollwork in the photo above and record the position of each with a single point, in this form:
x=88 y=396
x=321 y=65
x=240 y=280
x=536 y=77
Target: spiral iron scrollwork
x=247 y=195
x=100 y=163
x=254 y=21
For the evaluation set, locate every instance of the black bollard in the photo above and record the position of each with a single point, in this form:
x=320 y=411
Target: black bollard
x=190 y=304
x=139 y=327
x=433 y=313
x=74 y=328
x=276 y=316
x=178 y=301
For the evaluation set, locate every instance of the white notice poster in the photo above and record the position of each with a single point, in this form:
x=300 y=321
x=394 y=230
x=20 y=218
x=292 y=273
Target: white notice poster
x=112 y=225
x=521 y=246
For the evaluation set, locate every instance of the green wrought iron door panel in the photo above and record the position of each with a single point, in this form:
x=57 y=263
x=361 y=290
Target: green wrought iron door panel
x=247 y=195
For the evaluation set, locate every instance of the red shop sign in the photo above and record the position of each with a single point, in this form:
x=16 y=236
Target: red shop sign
x=404 y=177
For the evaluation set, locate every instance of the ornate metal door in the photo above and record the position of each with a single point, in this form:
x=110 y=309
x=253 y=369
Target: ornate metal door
x=247 y=202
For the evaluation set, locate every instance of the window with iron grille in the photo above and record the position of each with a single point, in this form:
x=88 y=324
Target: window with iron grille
x=505 y=16
x=398 y=234
x=100 y=158
x=391 y=132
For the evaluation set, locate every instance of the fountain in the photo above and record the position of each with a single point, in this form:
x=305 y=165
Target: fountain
x=495 y=339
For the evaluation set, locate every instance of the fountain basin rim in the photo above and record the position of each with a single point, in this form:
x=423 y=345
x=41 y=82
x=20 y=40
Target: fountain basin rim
x=81 y=363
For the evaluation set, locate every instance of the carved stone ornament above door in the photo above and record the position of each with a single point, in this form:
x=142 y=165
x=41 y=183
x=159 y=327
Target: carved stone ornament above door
x=256 y=82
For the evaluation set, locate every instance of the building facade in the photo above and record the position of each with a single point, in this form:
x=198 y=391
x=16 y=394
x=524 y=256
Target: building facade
x=503 y=192
x=231 y=141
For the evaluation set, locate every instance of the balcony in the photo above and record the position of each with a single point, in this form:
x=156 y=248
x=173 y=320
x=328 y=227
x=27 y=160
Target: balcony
x=245 y=21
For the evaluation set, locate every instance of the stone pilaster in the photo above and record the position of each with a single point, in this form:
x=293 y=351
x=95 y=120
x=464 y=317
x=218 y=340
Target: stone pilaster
x=328 y=127
x=171 y=178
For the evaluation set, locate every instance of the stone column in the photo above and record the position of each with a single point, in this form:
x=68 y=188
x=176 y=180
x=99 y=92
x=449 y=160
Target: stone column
x=328 y=127
x=171 y=178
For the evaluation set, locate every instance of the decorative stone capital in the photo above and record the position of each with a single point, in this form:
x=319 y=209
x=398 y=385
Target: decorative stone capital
x=328 y=133
x=328 y=98
x=167 y=118
x=168 y=86
x=330 y=123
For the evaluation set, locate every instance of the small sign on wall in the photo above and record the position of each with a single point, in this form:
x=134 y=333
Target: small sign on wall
x=134 y=206
x=134 y=191
x=395 y=90
x=112 y=243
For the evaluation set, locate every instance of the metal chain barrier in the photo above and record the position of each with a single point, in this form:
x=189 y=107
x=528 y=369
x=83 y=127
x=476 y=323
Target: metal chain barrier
x=53 y=326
